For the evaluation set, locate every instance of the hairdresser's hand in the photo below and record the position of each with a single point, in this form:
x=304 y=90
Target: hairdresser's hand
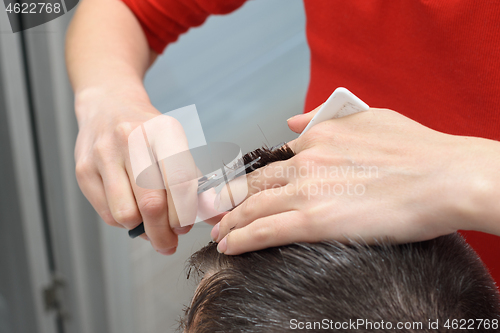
x=103 y=168
x=371 y=176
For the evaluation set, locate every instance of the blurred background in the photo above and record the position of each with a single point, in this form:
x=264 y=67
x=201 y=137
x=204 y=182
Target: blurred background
x=61 y=268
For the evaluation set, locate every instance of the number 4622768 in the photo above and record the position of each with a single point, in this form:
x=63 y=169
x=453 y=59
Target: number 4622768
x=33 y=8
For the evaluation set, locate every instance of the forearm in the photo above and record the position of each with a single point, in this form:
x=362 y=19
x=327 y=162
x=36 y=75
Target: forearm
x=106 y=50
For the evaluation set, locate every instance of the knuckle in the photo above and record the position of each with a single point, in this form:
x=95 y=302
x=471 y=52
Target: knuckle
x=181 y=185
x=224 y=226
x=255 y=180
x=162 y=240
x=83 y=169
x=304 y=195
x=123 y=130
x=249 y=206
x=128 y=217
x=301 y=160
x=180 y=177
x=111 y=223
x=162 y=245
x=309 y=159
x=227 y=223
x=169 y=122
x=308 y=214
x=102 y=149
x=152 y=205
x=262 y=234
x=108 y=219
x=312 y=136
x=321 y=133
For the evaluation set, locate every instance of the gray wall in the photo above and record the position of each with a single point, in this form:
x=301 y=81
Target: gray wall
x=241 y=70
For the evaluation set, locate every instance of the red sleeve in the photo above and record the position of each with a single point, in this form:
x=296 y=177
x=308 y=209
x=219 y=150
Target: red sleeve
x=164 y=20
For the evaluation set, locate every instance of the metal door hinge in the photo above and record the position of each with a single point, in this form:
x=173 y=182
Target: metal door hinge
x=53 y=296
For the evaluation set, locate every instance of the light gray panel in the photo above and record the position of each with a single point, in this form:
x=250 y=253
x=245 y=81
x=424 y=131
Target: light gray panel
x=23 y=255
x=74 y=225
x=17 y=301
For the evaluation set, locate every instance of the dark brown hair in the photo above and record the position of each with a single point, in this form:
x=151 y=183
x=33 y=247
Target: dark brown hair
x=264 y=291
x=267 y=156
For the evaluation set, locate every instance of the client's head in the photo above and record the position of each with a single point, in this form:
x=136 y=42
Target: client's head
x=331 y=286
x=283 y=288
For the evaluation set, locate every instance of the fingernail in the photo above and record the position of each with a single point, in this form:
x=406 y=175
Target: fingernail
x=222 y=247
x=167 y=252
x=215 y=232
x=181 y=230
x=297 y=115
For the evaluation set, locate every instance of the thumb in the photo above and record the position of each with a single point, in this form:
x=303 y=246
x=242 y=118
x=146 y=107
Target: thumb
x=299 y=122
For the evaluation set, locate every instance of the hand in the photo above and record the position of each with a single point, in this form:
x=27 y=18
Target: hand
x=373 y=175
x=104 y=173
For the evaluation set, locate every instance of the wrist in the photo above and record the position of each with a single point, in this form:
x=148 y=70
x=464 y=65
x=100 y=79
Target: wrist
x=92 y=99
x=480 y=210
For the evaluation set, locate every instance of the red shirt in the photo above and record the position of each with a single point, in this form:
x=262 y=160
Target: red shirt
x=437 y=62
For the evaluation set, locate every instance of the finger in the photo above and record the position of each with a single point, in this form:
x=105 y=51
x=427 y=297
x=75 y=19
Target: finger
x=156 y=140
x=92 y=188
x=270 y=231
x=265 y=203
x=299 y=122
x=119 y=195
x=234 y=192
x=181 y=195
x=182 y=230
x=175 y=195
x=152 y=205
x=216 y=219
x=153 y=208
x=170 y=145
x=206 y=210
